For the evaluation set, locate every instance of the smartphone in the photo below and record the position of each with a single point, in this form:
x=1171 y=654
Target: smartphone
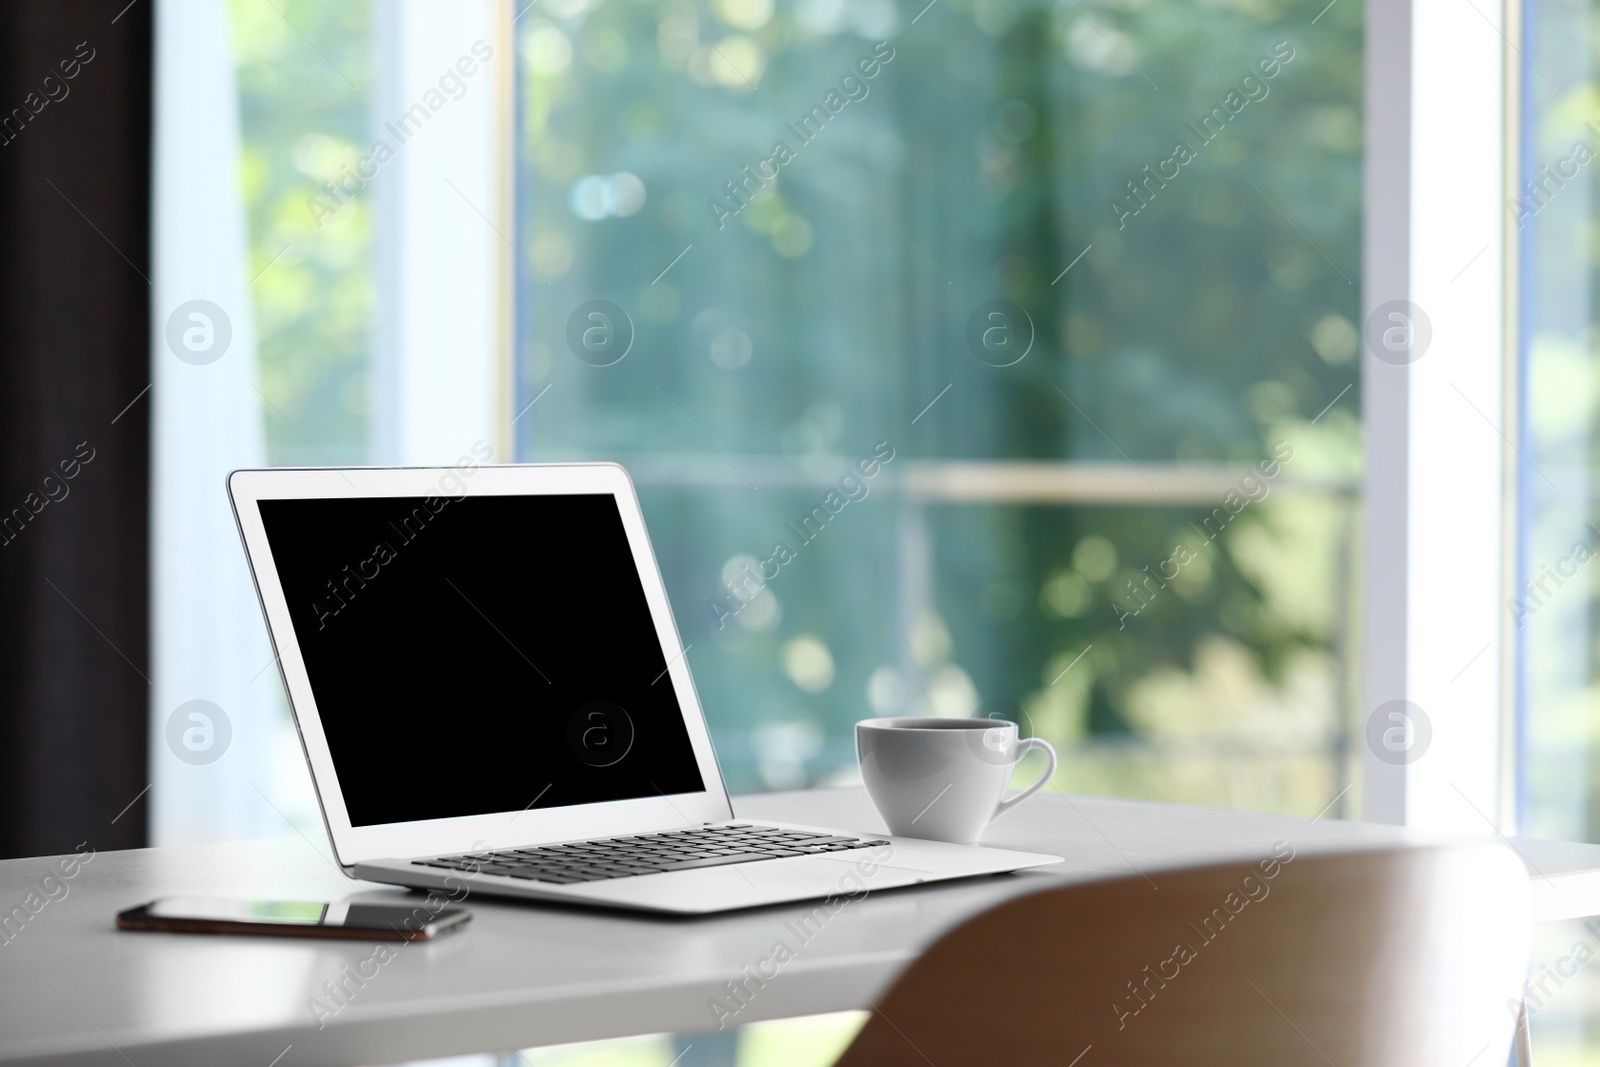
x=293 y=918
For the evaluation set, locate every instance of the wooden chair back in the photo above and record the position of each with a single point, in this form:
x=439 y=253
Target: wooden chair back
x=1400 y=958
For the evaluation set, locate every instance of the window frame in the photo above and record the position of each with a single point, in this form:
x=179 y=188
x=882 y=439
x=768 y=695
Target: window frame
x=1440 y=490
x=443 y=341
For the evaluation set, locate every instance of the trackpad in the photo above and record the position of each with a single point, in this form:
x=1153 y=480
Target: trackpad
x=739 y=885
x=826 y=874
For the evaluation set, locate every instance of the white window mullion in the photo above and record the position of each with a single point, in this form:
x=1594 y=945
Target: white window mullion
x=1433 y=390
x=441 y=115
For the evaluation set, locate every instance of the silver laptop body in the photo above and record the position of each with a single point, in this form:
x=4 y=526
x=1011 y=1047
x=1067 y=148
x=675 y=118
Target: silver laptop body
x=486 y=677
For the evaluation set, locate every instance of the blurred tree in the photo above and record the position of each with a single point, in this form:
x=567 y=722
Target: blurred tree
x=822 y=297
x=305 y=73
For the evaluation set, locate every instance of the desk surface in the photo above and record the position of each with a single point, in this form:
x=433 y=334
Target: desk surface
x=73 y=989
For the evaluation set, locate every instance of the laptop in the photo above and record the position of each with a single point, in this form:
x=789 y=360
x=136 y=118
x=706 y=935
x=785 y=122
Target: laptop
x=493 y=697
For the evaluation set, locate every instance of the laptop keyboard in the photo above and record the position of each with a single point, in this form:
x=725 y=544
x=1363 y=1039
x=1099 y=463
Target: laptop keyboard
x=673 y=850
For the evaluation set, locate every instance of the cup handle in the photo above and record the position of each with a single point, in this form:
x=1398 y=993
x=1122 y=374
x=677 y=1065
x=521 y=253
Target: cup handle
x=1022 y=749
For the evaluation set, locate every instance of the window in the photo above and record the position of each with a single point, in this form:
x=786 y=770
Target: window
x=1552 y=608
x=345 y=218
x=1078 y=283
x=305 y=74
x=257 y=107
x=1555 y=597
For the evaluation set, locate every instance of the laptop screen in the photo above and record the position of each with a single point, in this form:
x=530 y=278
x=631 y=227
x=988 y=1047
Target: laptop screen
x=478 y=655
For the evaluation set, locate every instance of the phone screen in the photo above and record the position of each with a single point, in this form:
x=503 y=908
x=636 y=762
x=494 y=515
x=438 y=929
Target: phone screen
x=217 y=909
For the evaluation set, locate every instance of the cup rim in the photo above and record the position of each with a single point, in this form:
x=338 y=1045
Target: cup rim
x=930 y=724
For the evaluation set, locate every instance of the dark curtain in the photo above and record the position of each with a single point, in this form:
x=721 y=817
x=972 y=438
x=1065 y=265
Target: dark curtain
x=75 y=99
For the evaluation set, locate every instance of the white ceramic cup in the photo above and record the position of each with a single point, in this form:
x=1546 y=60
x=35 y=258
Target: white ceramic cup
x=943 y=779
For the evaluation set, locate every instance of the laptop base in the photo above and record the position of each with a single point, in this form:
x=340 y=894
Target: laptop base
x=898 y=861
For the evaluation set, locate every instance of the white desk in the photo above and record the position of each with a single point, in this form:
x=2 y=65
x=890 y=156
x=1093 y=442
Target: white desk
x=75 y=990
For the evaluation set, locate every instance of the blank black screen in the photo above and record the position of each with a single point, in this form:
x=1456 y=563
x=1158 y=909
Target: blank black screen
x=479 y=655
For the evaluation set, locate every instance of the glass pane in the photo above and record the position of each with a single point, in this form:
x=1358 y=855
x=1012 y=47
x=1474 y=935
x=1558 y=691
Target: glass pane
x=1554 y=605
x=770 y=246
x=1563 y=996
x=305 y=71
x=807 y=1041
x=1553 y=609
